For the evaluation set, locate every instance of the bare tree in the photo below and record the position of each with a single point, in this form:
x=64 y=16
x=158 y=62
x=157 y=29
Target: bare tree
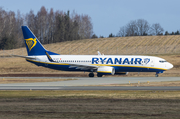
x=85 y=26
x=156 y=29
x=122 y=32
x=3 y=19
x=51 y=26
x=18 y=34
x=143 y=27
x=42 y=24
x=132 y=29
x=140 y=27
x=75 y=26
x=9 y=32
x=30 y=20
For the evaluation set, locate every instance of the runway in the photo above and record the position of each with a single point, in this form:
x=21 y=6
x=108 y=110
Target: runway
x=87 y=88
x=86 y=83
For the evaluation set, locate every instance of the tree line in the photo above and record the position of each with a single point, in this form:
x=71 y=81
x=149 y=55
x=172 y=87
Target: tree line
x=10 y=31
x=51 y=26
x=140 y=27
x=48 y=26
x=172 y=33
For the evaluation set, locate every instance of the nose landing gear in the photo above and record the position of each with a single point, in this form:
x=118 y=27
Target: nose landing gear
x=157 y=74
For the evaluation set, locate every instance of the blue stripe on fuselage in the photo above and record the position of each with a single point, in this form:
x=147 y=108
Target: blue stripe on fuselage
x=118 y=68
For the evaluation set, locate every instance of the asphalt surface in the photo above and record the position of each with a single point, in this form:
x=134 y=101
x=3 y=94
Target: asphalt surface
x=83 y=83
x=86 y=88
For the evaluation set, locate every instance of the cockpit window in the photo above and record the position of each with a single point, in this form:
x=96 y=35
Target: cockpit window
x=162 y=61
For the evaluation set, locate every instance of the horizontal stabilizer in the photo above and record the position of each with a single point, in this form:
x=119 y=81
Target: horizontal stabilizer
x=27 y=57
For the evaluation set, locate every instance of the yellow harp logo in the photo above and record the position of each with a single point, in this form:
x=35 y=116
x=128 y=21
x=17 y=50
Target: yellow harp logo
x=31 y=43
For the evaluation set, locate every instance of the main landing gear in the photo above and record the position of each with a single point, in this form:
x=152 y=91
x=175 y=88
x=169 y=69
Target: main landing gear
x=99 y=75
x=91 y=74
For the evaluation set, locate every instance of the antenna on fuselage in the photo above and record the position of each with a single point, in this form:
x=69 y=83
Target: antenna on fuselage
x=98 y=53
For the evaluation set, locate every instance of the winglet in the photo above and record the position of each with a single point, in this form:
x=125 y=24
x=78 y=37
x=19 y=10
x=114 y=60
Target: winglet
x=49 y=57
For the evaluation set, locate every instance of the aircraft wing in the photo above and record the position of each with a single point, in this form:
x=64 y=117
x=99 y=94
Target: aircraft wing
x=82 y=66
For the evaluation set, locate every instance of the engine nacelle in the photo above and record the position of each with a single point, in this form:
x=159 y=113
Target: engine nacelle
x=121 y=73
x=106 y=70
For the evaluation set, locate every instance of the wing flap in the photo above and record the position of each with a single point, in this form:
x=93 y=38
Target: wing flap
x=82 y=66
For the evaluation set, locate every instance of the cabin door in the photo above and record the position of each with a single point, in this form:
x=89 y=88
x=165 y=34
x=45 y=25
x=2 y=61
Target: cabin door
x=152 y=62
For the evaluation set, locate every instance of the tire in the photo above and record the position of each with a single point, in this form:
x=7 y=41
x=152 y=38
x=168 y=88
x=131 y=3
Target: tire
x=91 y=74
x=99 y=75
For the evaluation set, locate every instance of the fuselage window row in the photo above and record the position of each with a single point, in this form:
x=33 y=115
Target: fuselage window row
x=72 y=61
x=100 y=61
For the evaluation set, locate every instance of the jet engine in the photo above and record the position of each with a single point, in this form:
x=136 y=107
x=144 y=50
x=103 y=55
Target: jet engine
x=105 y=71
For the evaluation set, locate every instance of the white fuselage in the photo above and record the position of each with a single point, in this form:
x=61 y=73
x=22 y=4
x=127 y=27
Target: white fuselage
x=121 y=63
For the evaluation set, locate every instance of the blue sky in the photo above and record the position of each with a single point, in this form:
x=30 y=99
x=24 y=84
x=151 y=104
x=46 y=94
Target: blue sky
x=108 y=15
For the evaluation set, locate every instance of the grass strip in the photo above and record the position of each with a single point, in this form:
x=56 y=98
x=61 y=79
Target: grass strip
x=30 y=80
x=93 y=94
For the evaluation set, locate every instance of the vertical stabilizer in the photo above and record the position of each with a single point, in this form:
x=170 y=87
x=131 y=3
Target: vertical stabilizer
x=33 y=46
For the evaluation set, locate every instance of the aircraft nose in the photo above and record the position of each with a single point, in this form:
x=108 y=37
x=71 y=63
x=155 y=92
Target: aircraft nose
x=169 y=66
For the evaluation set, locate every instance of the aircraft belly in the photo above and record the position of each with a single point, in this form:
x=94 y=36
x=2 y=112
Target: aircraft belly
x=136 y=69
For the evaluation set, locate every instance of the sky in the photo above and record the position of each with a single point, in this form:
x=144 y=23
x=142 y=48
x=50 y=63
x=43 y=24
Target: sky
x=108 y=15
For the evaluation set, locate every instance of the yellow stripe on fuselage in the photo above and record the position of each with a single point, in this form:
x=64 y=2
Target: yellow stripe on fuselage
x=47 y=62
x=103 y=71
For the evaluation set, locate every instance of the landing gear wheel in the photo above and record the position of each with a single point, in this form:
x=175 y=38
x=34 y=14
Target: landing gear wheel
x=91 y=74
x=99 y=75
x=156 y=75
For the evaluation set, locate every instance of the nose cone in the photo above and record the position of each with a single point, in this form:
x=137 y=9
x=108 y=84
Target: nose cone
x=169 y=66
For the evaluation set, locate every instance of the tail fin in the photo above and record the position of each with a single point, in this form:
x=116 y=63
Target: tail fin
x=33 y=46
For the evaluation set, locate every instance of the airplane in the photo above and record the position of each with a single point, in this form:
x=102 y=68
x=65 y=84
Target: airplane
x=101 y=64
